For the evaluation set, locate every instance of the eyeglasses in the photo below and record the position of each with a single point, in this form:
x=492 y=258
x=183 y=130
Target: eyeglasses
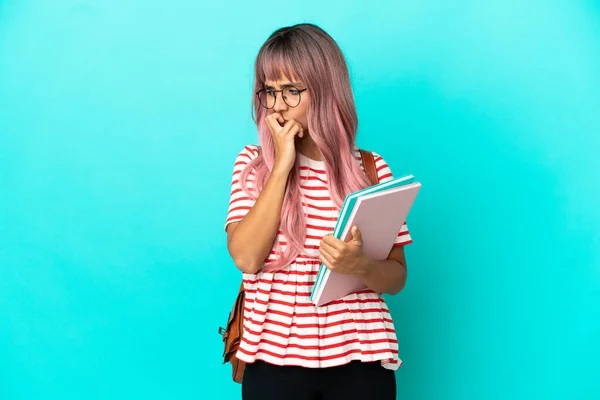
x=290 y=95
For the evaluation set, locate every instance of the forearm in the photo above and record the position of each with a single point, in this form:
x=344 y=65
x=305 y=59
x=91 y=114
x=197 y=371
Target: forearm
x=252 y=240
x=386 y=276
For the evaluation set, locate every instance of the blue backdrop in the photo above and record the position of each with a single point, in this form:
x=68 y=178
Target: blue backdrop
x=119 y=124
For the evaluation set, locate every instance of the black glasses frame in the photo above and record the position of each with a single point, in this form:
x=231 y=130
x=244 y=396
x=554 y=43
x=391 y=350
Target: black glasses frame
x=282 y=96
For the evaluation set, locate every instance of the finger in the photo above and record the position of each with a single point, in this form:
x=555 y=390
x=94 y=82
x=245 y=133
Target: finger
x=295 y=130
x=326 y=259
x=332 y=251
x=286 y=128
x=272 y=124
x=331 y=240
x=327 y=263
x=274 y=128
x=356 y=235
x=301 y=132
x=276 y=116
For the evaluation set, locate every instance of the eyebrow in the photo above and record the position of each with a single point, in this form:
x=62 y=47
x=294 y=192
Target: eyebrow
x=284 y=85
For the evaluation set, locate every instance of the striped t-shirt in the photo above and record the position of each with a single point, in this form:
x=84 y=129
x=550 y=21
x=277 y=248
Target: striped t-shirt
x=281 y=324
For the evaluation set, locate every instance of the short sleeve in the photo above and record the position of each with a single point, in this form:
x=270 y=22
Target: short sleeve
x=384 y=174
x=239 y=202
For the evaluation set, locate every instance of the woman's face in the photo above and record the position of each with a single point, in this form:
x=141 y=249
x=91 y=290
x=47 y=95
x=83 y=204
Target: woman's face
x=295 y=94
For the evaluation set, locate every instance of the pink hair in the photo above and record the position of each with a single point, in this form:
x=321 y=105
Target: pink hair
x=308 y=53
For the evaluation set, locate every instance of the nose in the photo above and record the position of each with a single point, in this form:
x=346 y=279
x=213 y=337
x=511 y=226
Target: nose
x=279 y=103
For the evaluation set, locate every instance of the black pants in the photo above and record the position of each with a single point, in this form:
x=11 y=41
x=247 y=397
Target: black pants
x=356 y=380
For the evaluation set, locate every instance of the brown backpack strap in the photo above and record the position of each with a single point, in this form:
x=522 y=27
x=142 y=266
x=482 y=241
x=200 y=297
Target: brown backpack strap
x=368 y=162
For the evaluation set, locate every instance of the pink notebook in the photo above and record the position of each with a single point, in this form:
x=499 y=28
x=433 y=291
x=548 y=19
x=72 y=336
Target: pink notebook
x=379 y=216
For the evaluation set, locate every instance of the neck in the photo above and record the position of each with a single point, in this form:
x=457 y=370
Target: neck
x=307 y=147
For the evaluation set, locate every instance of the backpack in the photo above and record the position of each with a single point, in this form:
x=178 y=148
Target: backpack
x=231 y=334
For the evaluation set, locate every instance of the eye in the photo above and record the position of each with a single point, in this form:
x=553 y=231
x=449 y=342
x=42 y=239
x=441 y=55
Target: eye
x=294 y=91
x=269 y=92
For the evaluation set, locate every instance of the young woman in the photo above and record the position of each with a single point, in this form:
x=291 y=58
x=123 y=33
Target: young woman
x=285 y=200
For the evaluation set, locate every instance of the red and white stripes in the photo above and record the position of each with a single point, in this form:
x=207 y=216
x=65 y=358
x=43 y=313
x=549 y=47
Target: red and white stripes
x=281 y=325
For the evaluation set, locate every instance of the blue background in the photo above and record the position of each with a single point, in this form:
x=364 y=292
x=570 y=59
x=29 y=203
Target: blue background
x=119 y=124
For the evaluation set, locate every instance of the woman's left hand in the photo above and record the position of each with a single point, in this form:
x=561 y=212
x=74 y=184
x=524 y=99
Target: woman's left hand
x=344 y=257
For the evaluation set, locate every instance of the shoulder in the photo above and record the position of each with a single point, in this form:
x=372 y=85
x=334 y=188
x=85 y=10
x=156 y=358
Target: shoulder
x=247 y=154
x=378 y=158
x=383 y=169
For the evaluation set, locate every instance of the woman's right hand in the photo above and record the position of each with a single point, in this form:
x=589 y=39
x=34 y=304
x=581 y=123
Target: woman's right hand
x=284 y=141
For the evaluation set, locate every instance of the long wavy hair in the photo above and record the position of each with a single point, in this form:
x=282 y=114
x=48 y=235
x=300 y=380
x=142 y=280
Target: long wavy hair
x=307 y=53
